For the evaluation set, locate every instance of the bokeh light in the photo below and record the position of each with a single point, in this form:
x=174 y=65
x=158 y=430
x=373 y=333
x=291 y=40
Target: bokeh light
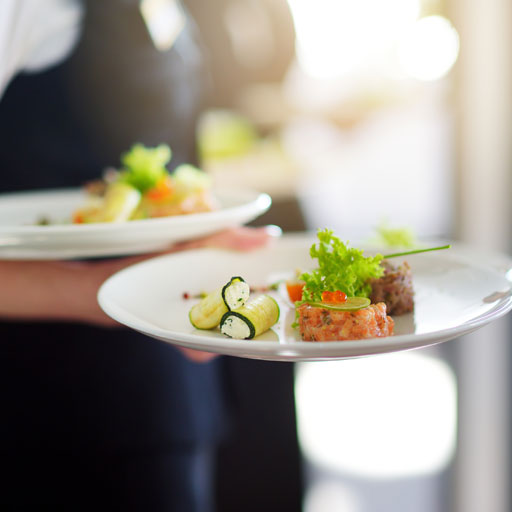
x=429 y=49
x=341 y=37
x=384 y=417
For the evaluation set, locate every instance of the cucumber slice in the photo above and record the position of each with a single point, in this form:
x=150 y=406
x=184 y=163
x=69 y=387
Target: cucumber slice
x=189 y=180
x=207 y=313
x=251 y=320
x=351 y=304
x=120 y=201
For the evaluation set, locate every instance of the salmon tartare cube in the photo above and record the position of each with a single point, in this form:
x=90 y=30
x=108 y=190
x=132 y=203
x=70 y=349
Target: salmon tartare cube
x=319 y=324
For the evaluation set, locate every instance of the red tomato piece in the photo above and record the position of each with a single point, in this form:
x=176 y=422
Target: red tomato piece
x=294 y=289
x=163 y=190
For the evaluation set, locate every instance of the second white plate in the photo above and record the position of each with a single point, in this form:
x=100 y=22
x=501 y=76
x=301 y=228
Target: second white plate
x=22 y=238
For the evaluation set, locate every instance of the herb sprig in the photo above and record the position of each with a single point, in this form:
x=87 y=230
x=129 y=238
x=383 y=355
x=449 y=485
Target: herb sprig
x=339 y=268
x=143 y=166
x=345 y=269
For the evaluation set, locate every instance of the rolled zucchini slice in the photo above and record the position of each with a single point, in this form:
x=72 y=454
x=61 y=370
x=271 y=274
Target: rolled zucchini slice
x=250 y=320
x=207 y=313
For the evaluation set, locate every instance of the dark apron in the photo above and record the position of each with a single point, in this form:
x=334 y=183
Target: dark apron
x=71 y=390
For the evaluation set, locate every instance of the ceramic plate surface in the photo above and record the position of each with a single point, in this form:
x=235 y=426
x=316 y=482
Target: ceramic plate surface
x=22 y=238
x=456 y=291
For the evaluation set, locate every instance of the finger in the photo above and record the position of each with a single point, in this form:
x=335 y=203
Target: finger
x=197 y=356
x=240 y=238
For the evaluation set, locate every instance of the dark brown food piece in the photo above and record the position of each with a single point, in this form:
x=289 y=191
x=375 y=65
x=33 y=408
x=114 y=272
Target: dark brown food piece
x=394 y=288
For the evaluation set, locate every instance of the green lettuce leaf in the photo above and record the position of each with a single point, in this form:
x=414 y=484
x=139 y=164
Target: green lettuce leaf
x=143 y=167
x=395 y=237
x=339 y=268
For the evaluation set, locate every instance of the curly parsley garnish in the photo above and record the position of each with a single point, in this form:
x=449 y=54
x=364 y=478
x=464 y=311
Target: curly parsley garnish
x=339 y=268
x=143 y=166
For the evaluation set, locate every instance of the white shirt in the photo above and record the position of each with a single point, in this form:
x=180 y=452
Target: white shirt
x=35 y=34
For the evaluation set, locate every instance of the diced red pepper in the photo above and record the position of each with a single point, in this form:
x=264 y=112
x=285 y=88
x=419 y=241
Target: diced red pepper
x=162 y=190
x=78 y=218
x=294 y=289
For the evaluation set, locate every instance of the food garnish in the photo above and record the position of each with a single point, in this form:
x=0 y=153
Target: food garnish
x=294 y=290
x=339 y=268
x=144 y=167
x=388 y=236
x=416 y=251
x=350 y=304
x=345 y=269
x=144 y=188
x=334 y=297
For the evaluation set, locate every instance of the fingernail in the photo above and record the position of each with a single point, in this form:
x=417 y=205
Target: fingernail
x=273 y=230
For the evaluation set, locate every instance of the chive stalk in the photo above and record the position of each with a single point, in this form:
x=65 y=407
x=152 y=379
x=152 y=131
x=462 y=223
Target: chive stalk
x=416 y=251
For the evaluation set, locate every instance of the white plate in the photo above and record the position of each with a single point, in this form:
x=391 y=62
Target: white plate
x=456 y=291
x=21 y=238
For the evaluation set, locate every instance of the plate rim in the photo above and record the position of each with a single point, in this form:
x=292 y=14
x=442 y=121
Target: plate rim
x=260 y=201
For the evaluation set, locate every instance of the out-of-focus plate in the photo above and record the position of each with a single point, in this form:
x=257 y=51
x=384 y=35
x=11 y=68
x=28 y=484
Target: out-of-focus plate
x=456 y=291
x=22 y=238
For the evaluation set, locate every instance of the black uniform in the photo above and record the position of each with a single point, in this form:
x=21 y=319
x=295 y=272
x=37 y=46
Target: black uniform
x=104 y=418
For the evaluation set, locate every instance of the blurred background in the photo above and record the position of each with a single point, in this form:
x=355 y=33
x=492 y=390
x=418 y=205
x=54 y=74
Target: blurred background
x=353 y=115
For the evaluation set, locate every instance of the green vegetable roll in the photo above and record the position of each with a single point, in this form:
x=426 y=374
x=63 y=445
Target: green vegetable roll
x=251 y=320
x=207 y=313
